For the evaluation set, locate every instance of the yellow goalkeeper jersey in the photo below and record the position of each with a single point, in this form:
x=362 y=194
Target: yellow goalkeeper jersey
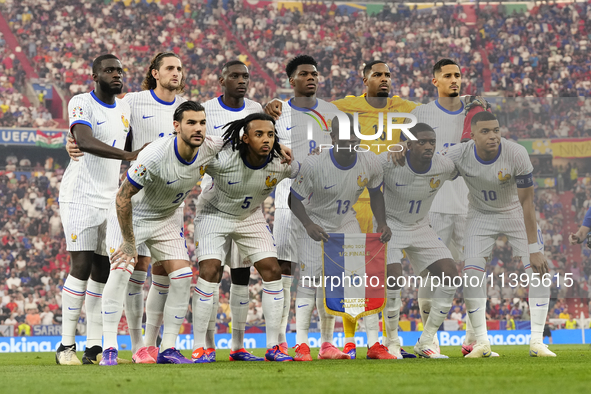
x=369 y=124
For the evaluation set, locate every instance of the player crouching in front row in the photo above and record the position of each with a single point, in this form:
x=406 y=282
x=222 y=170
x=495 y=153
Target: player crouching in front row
x=244 y=177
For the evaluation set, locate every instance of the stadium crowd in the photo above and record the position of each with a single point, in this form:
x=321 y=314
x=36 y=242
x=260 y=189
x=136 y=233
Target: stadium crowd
x=541 y=52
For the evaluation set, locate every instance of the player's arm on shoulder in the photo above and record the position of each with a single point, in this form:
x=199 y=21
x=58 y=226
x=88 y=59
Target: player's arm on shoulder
x=126 y=254
x=525 y=191
x=286 y=153
x=274 y=108
x=579 y=236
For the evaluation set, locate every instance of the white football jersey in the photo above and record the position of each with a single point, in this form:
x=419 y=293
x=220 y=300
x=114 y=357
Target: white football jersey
x=332 y=189
x=452 y=197
x=151 y=117
x=218 y=115
x=409 y=194
x=493 y=184
x=292 y=129
x=239 y=189
x=94 y=180
x=165 y=178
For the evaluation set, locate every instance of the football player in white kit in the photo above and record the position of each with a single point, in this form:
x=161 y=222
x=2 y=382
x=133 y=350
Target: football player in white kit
x=498 y=174
x=450 y=206
x=409 y=192
x=322 y=198
x=244 y=178
x=292 y=129
x=100 y=123
x=152 y=112
x=146 y=213
x=230 y=106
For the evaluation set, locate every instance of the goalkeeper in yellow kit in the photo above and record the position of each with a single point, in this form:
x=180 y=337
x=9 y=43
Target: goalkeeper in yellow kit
x=369 y=106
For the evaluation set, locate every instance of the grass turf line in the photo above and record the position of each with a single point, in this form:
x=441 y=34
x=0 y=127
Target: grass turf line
x=513 y=372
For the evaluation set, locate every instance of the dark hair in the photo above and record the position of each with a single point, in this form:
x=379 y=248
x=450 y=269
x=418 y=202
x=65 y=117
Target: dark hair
x=419 y=127
x=443 y=62
x=150 y=82
x=368 y=66
x=482 y=116
x=187 y=106
x=335 y=125
x=293 y=64
x=233 y=137
x=96 y=63
x=230 y=64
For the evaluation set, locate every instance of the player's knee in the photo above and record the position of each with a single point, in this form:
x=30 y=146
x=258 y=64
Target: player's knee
x=285 y=267
x=240 y=276
x=143 y=262
x=209 y=270
x=269 y=269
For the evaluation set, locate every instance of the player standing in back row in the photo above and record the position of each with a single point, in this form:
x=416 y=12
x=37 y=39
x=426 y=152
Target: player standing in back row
x=498 y=174
x=229 y=107
x=151 y=118
x=100 y=123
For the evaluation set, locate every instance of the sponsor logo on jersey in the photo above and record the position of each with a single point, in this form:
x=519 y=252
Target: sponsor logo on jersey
x=140 y=170
x=504 y=178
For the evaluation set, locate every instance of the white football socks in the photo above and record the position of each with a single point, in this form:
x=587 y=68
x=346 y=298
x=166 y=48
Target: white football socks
x=441 y=304
x=211 y=328
x=94 y=320
x=372 y=329
x=475 y=296
x=239 y=301
x=392 y=315
x=326 y=320
x=134 y=308
x=272 y=301
x=539 y=299
x=176 y=305
x=286 y=280
x=304 y=308
x=72 y=300
x=202 y=304
x=113 y=295
x=155 y=308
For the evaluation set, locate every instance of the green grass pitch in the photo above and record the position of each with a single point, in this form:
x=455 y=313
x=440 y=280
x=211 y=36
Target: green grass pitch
x=513 y=372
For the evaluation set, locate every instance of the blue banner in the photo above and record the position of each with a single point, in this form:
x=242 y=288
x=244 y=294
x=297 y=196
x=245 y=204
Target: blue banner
x=24 y=136
x=252 y=341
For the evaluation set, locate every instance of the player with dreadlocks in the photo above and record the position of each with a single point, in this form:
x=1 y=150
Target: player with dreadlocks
x=244 y=177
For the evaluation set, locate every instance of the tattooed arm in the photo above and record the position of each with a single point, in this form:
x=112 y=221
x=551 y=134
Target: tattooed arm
x=127 y=252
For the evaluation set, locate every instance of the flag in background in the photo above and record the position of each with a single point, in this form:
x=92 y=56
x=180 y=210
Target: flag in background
x=348 y=257
x=51 y=140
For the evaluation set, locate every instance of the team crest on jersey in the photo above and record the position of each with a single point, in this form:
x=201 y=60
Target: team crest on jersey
x=140 y=170
x=125 y=123
x=74 y=237
x=111 y=250
x=300 y=180
x=202 y=170
x=270 y=182
x=504 y=178
x=434 y=184
x=196 y=244
x=361 y=182
x=77 y=112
